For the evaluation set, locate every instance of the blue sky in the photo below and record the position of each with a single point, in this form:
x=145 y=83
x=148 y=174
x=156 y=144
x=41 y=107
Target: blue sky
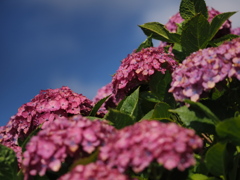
x=77 y=43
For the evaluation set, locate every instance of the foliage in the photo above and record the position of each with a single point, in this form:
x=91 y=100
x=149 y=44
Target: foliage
x=171 y=112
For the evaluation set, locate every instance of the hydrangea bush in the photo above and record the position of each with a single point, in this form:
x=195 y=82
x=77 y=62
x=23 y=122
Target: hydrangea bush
x=170 y=112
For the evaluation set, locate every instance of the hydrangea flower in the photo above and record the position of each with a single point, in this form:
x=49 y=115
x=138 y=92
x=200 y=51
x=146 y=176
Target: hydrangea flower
x=232 y=53
x=43 y=108
x=202 y=70
x=138 y=67
x=76 y=137
x=236 y=31
x=102 y=93
x=93 y=171
x=136 y=146
x=171 y=25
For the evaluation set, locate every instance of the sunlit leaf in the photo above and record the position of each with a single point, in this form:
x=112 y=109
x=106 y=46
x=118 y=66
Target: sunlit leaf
x=190 y=8
x=118 y=118
x=217 y=22
x=8 y=164
x=229 y=129
x=195 y=34
x=159 y=32
x=215 y=159
x=147 y=43
x=97 y=106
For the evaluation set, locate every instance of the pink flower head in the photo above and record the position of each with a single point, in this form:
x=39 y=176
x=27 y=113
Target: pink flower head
x=76 y=137
x=43 y=108
x=93 y=171
x=232 y=54
x=236 y=31
x=138 y=67
x=138 y=145
x=202 y=70
x=171 y=25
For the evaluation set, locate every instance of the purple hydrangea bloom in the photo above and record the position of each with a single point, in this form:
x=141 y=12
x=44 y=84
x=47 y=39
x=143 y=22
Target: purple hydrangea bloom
x=43 y=108
x=138 y=67
x=76 y=137
x=136 y=146
x=232 y=54
x=202 y=70
x=171 y=25
x=236 y=31
x=93 y=171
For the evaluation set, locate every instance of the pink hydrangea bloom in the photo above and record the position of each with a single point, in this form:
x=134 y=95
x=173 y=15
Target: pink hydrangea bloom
x=76 y=137
x=232 y=54
x=43 y=108
x=171 y=25
x=136 y=146
x=138 y=67
x=46 y=106
x=236 y=31
x=202 y=70
x=94 y=172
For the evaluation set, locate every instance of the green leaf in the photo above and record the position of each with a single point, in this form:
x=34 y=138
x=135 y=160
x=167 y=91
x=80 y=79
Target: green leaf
x=219 y=41
x=119 y=119
x=195 y=119
x=139 y=178
x=195 y=34
x=97 y=106
x=159 y=32
x=147 y=43
x=205 y=110
x=86 y=160
x=161 y=111
x=8 y=164
x=217 y=159
x=217 y=94
x=229 y=129
x=159 y=84
x=201 y=177
x=190 y=8
x=120 y=104
x=94 y=118
x=234 y=171
x=130 y=104
x=217 y=22
x=149 y=96
x=148 y=115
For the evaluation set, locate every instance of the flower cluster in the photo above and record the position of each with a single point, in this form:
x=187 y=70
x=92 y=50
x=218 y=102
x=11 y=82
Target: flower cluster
x=236 y=31
x=94 y=172
x=138 y=67
x=75 y=137
x=103 y=92
x=138 y=145
x=44 y=107
x=202 y=70
x=172 y=26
